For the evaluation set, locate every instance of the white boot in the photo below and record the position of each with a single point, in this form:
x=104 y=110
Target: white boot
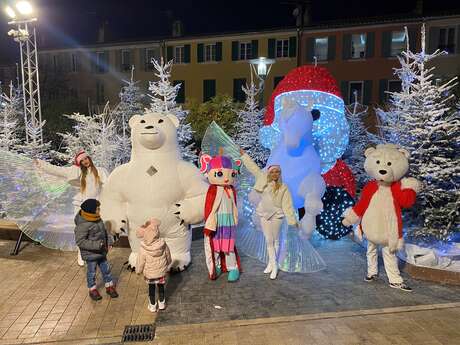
x=152 y=307
x=271 y=259
x=80 y=261
x=269 y=268
x=274 y=271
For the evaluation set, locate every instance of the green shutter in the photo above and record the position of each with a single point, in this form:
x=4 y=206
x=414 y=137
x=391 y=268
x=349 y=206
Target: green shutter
x=236 y=85
x=218 y=51
x=209 y=89
x=118 y=66
x=310 y=49
x=383 y=85
x=412 y=39
x=254 y=49
x=367 y=97
x=187 y=53
x=292 y=46
x=331 y=46
x=142 y=60
x=346 y=47
x=200 y=52
x=457 y=48
x=386 y=43
x=169 y=53
x=370 y=43
x=93 y=61
x=271 y=48
x=344 y=90
x=433 y=39
x=235 y=50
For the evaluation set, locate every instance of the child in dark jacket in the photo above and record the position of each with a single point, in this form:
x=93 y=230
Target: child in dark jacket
x=94 y=243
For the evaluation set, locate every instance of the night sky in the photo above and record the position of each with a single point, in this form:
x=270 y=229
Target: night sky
x=76 y=21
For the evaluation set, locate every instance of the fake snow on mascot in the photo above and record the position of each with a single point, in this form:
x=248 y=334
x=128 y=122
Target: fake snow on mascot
x=155 y=183
x=379 y=209
x=221 y=216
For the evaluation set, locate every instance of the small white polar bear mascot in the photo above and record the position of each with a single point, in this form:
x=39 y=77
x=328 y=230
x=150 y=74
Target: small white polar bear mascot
x=379 y=209
x=155 y=183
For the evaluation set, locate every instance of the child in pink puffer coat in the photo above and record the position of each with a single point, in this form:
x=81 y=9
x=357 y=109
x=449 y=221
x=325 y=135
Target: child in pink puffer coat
x=153 y=261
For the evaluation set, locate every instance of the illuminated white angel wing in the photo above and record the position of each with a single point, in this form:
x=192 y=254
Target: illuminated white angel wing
x=40 y=204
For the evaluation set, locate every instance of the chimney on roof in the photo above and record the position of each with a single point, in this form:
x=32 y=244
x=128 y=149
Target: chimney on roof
x=419 y=7
x=102 y=32
x=177 y=28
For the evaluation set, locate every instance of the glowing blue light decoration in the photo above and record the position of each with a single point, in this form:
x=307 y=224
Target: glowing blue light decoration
x=330 y=131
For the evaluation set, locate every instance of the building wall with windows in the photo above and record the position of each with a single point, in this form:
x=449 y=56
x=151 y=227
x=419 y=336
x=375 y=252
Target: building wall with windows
x=362 y=57
x=220 y=65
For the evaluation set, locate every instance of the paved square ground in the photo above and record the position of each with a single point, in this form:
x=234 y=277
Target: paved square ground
x=192 y=297
x=43 y=298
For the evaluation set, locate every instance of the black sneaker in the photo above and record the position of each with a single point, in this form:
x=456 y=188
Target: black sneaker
x=370 y=279
x=401 y=286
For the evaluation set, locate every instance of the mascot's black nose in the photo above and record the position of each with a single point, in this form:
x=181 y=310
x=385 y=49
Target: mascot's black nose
x=149 y=127
x=382 y=172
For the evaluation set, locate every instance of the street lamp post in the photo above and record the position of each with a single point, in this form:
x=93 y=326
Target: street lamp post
x=261 y=68
x=21 y=14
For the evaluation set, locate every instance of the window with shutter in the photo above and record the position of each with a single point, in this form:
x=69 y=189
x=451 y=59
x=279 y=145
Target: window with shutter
x=358 y=46
x=179 y=54
x=245 y=52
x=355 y=91
x=398 y=42
x=210 y=52
x=209 y=89
x=271 y=48
x=235 y=50
x=321 y=48
x=238 y=94
x=126 y=60
x=101 y=62
x=447 y=40
x=282 y=48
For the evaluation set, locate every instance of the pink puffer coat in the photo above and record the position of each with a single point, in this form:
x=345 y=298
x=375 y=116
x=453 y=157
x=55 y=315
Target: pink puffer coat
x=154 y=256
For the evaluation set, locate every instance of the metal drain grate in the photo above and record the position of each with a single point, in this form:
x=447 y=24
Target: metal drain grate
x=139 y=333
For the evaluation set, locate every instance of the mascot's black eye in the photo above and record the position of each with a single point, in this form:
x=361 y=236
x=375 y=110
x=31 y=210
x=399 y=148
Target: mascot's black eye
x=378 y=162
x=220 y=174
x=142 y=121
x=233 y=174
x=389 y=163
x=160 y=121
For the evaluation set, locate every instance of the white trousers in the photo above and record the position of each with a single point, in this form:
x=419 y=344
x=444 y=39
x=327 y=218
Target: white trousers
x=271 y=229
x=390 y=262
x=230 y=261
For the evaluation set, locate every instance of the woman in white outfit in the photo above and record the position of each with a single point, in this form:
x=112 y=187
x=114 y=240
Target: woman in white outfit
x=85 y=175
x=275 y=204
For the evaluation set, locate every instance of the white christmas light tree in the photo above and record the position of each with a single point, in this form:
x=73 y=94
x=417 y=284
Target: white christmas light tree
x=163 y=99
x=10 y=115
x=250 y=120
x=130 y=104
x=358 y=140
x=96 y=134
x=419 y=119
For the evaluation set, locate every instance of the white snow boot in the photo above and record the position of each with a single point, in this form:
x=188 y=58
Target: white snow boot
x=80 y=261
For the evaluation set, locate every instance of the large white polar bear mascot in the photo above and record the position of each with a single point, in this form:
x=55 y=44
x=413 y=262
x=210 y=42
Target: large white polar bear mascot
x=155 y=183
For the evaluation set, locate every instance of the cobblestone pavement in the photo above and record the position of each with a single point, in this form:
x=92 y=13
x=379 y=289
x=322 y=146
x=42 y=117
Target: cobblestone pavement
x=192 y=297
x=43 y=298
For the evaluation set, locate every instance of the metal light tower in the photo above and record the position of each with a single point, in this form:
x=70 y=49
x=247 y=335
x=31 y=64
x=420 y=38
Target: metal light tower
x=25 y=35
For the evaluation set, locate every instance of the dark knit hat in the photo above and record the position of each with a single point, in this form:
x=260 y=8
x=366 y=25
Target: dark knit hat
x=90 y=205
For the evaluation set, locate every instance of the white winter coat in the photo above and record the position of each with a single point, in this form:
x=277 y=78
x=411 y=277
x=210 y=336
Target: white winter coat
x=73 y=175
x=282 y=199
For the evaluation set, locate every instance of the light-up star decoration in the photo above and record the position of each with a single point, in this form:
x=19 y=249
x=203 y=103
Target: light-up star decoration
x=315 y=88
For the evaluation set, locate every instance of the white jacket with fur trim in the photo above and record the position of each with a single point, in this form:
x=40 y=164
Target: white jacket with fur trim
x=281 y=199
